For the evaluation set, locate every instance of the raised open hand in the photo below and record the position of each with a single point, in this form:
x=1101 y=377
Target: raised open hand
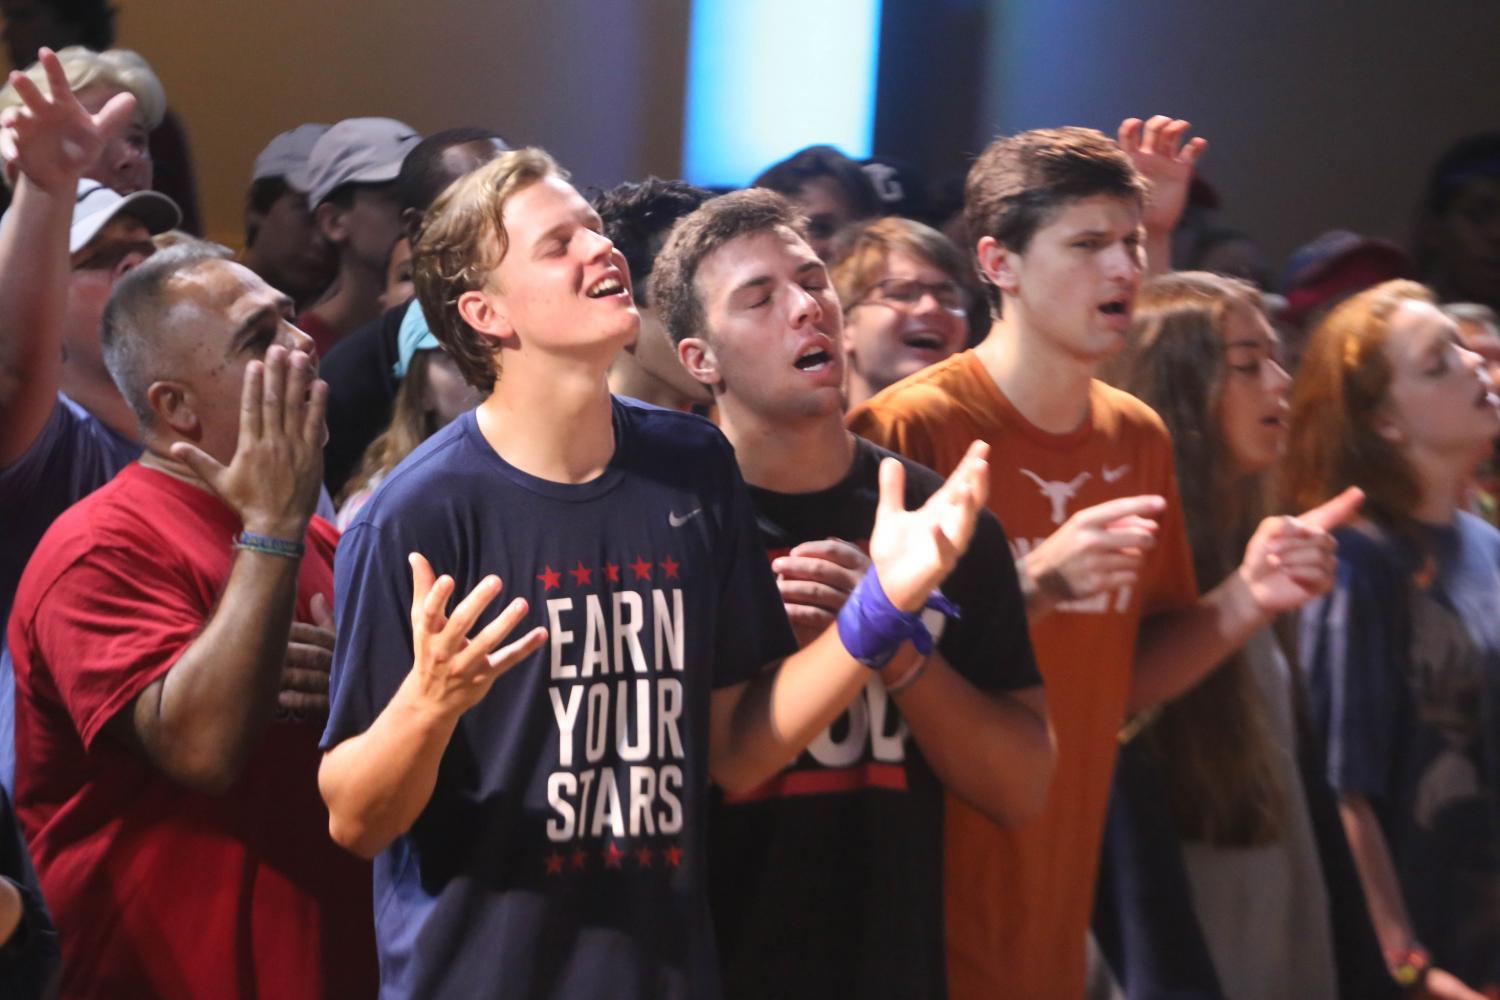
x=1157 y=149
x=51 y=138
x=272 y=481
x=914 y=550
x=452 y=672
x=1291 y=560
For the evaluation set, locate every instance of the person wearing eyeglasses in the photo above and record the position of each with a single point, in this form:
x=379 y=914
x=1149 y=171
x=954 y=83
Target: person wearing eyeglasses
x=908 y=302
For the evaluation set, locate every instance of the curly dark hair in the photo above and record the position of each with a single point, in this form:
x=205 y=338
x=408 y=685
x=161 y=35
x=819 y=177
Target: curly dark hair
x=638 y=218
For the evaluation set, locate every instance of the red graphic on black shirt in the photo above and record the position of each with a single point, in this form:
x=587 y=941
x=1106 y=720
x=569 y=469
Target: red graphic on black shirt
x=864 y=748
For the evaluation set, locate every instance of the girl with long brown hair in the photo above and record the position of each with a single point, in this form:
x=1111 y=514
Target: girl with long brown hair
x=1403 y=657
x=1204 y=357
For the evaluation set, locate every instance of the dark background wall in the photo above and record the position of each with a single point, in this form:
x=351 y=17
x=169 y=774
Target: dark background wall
x=1319 y=114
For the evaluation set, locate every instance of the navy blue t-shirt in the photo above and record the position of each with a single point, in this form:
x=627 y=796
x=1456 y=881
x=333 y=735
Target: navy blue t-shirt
x=1403 y=672
x=562 y=853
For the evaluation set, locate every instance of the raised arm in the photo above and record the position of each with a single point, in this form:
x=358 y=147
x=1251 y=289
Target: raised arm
x=376 y=784
x=199 y=721
x=758 y=727
x=1289 y=561
x=995 y=751
x=1158 y=151
x=51 y=141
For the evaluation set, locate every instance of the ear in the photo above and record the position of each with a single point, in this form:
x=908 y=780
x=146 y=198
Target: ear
x=697 y=356
x=330 y=222
x=485 y=312
x=411 y=223
x=1388 y=429
x=172 y=405
x=997 y=265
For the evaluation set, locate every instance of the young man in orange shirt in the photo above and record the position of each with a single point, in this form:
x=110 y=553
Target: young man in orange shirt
x=1082 y=478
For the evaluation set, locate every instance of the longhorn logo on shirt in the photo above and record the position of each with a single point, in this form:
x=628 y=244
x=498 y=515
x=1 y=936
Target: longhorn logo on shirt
x=1058 y=493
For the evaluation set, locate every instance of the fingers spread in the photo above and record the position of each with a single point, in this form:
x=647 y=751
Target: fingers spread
x=492 y=634
x=467 y=613
x=506 y=657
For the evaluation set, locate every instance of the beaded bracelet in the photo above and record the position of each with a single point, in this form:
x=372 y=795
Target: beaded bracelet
x=872 y=628
x=269 y=546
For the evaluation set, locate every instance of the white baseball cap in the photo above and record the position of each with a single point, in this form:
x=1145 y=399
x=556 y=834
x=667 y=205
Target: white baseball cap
x=96 y=205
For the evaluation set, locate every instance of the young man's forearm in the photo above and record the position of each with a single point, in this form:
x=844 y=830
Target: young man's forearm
x=199 y=722
x=33 y=291
x=996 y=752
x=760 y=726
x=376 y=784
x=1178 y=649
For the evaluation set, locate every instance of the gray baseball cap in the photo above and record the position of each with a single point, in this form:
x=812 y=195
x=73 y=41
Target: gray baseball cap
x=97 y=204
x=355 y=151
x=286 y=155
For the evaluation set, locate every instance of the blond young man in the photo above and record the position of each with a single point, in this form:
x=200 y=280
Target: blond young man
x=536 y=809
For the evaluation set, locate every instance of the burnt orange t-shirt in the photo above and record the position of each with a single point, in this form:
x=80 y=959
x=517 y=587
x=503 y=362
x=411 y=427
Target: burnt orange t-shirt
x=1019 y=900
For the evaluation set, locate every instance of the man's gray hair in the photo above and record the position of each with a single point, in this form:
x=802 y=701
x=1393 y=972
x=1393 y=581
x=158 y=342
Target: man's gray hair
x=136 y=316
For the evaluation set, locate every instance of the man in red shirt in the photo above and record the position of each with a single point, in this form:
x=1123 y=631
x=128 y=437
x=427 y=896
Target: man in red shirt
x=167 y=745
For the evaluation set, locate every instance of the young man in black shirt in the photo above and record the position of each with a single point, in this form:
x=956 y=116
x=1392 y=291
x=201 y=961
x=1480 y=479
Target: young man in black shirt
x=826 y=880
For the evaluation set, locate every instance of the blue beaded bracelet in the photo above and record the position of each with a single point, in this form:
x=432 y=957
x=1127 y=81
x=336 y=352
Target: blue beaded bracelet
x=872 y=628
x=267 y=545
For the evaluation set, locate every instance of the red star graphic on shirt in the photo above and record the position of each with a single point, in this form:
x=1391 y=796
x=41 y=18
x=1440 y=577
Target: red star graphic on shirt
x=642 y=568
x=612 y=572
x=580 y=858
x=551 y=579
x=643 y=856
x=673 y=856
x=612 y=855
x=554 y=863
x=582 y=575
x=669 y=567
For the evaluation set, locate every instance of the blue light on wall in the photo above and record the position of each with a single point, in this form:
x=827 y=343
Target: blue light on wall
x=766 y=78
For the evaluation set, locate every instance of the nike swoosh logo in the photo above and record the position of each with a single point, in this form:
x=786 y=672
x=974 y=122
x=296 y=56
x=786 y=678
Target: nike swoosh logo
x=1113 y=475
x=678 y=520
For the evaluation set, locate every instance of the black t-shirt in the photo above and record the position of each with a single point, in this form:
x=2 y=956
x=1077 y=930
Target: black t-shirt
x=827 y=881
x=362 y=387
x=562 y=852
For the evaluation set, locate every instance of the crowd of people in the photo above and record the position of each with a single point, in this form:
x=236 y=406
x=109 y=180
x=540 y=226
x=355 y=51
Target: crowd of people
x=843 y=586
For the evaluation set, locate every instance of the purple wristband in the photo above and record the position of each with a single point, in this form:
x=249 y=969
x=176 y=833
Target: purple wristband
x=872 y=628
